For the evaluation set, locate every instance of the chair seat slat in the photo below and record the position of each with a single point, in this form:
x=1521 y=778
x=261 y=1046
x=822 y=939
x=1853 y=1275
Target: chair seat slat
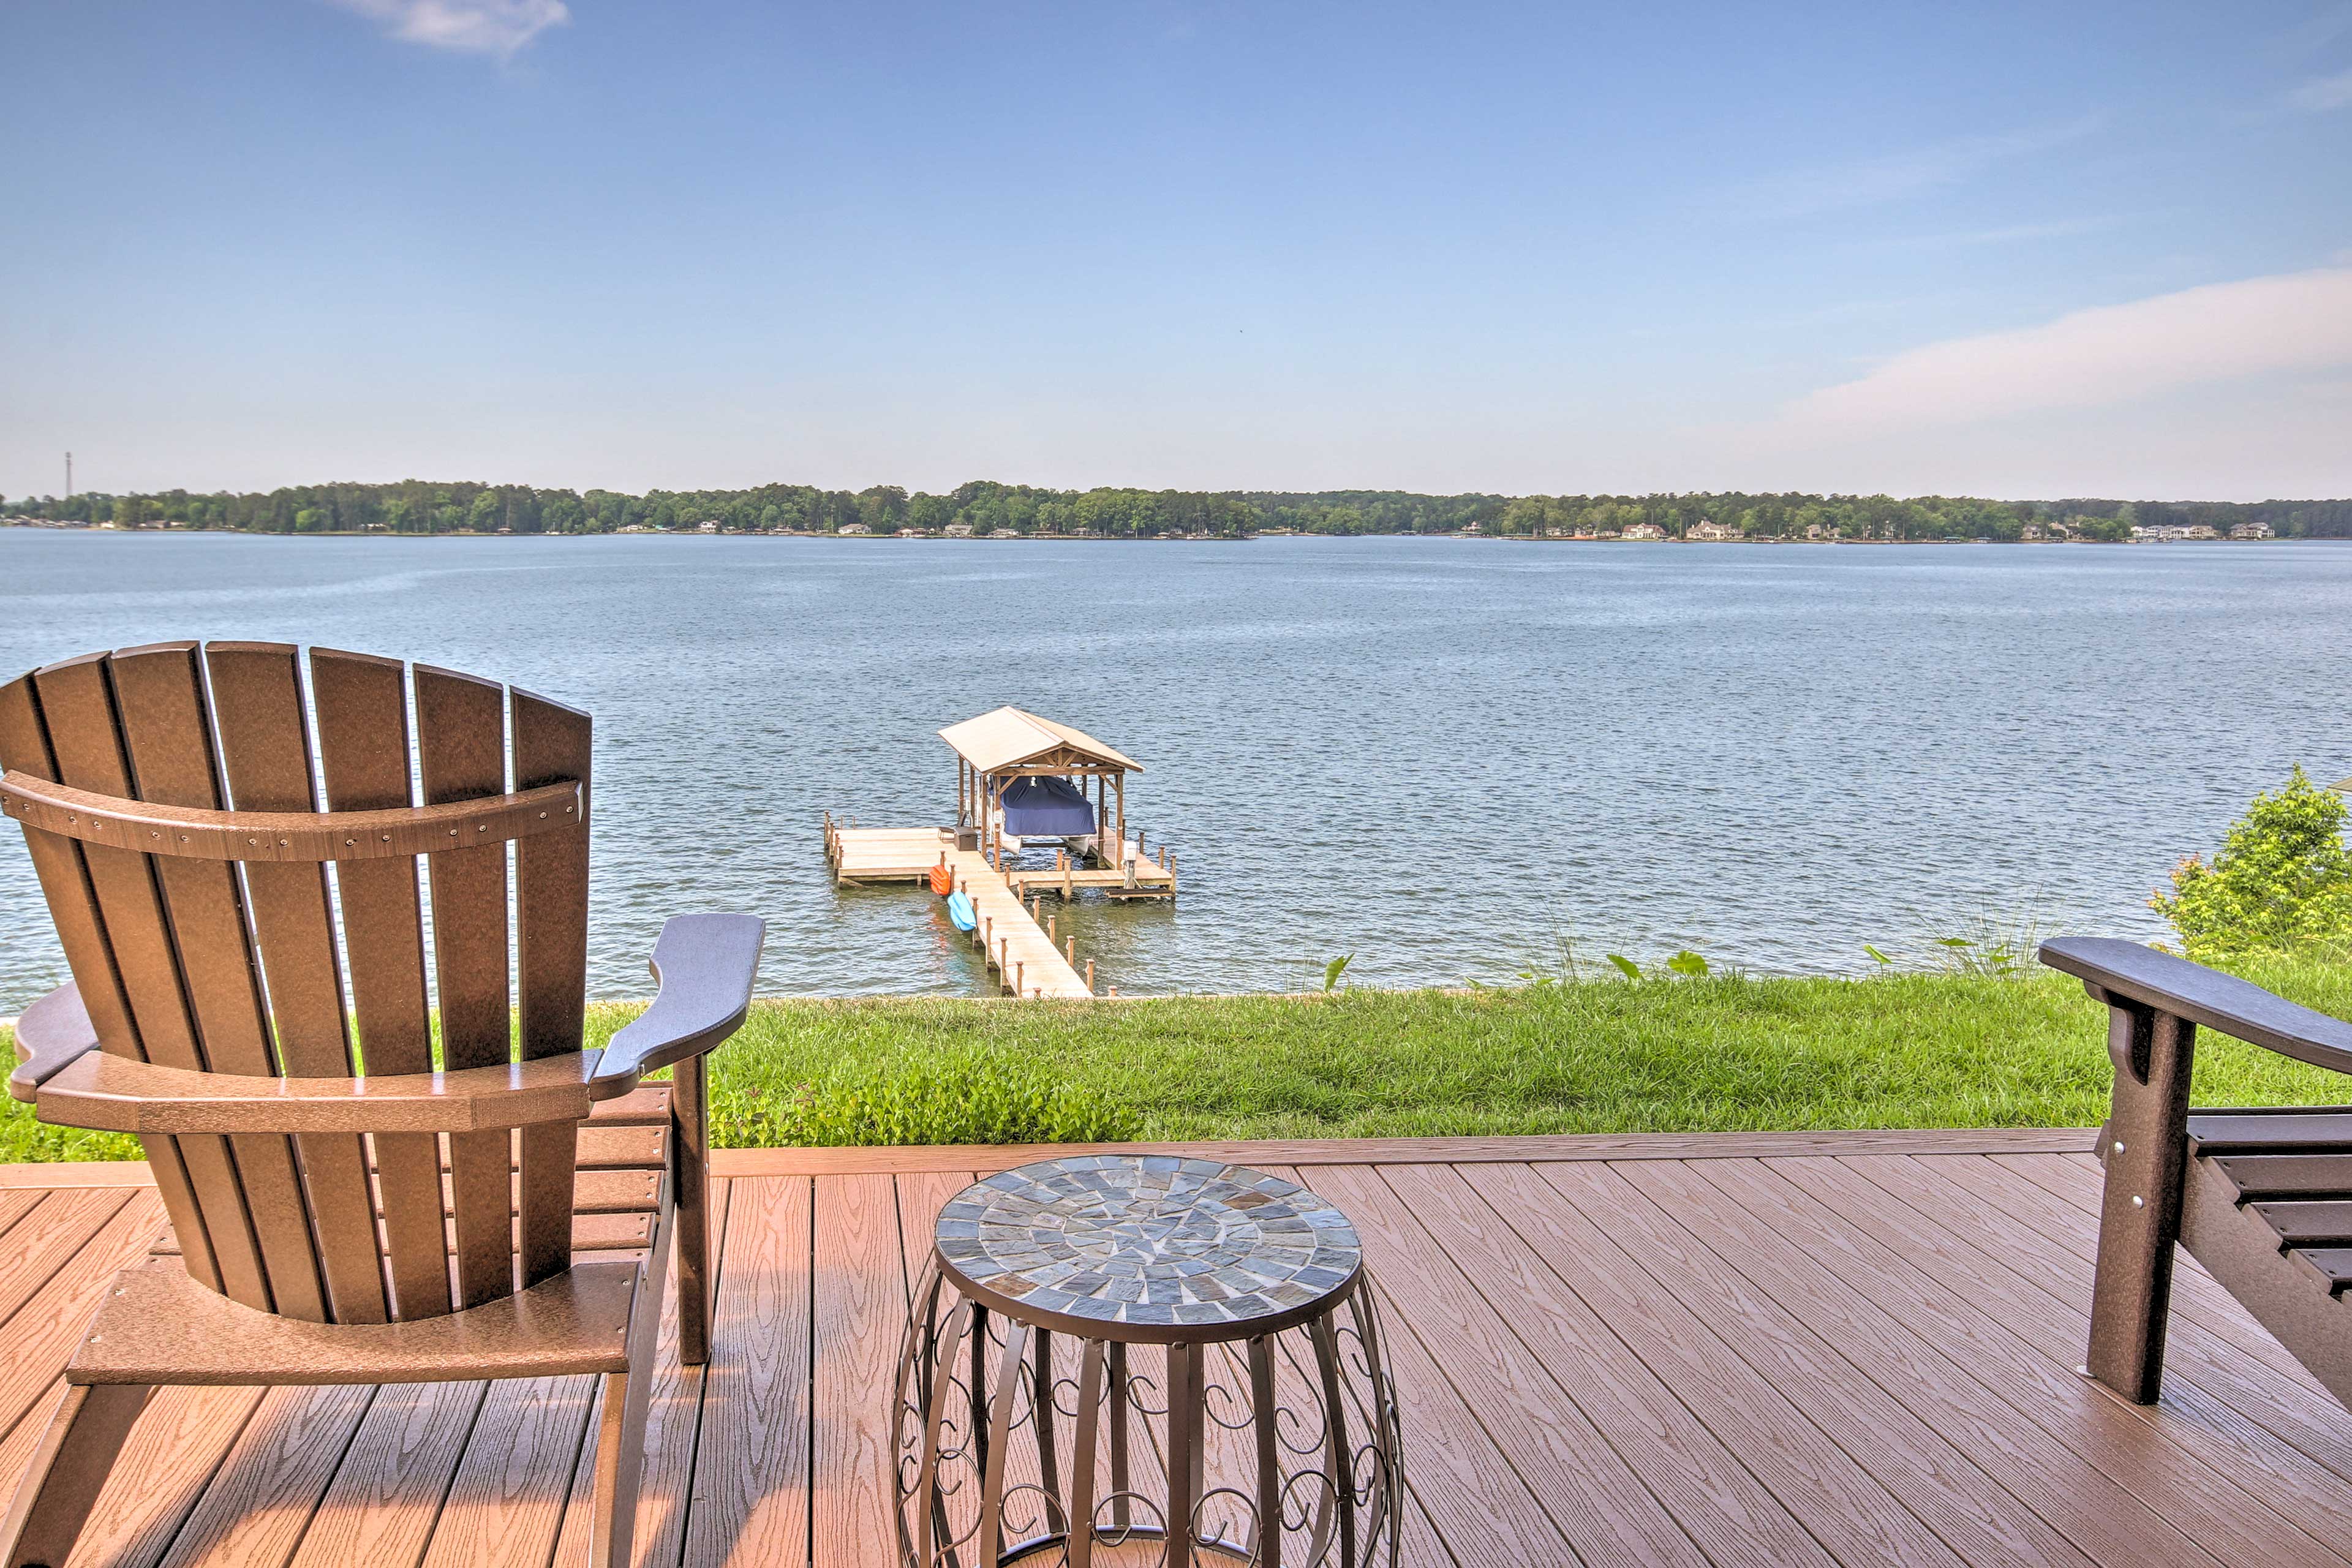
x=2225 y=1131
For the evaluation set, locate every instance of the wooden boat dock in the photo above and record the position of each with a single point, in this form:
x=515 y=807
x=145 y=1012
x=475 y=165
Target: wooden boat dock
x=1827 y=1350
x=1013 y=770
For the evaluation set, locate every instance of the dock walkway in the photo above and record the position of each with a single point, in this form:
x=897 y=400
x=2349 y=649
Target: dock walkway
x=1016 y=946
x=1025 y=959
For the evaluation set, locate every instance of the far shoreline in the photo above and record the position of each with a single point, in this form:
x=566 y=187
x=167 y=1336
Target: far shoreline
x=1016 y=538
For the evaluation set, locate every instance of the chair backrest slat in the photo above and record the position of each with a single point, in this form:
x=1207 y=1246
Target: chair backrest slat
x=77 y=702
x=363 y=711
x=282 y=966
x=265 y=746
x=64 y=873
x=159 y=695
x=551 y=742
x=265 y=750
x=64 y=876
x=462 y=755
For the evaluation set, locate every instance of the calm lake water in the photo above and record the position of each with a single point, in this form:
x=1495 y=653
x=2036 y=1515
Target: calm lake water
x=1438 y=755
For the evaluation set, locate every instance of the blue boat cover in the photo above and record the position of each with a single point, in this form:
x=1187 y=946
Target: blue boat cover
x=960 y=911
x=1046 y=807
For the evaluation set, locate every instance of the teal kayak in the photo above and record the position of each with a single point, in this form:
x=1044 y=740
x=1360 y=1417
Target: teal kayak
x=960 y=911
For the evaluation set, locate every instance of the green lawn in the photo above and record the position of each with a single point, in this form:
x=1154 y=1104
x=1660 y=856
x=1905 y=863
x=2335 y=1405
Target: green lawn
x=1724 y=1054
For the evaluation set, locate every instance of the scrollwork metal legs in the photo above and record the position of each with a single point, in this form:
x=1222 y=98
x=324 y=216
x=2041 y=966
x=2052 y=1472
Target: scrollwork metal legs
x=1014 y=1443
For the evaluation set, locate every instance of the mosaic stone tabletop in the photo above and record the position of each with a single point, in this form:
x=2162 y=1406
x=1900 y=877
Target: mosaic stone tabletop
x=1149 y=1239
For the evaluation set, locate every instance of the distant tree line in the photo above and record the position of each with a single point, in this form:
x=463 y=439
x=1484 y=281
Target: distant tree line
x=418 y=506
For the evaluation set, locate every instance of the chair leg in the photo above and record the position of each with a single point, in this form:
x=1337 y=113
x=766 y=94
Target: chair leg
x=68 y=1470
x=621 y=1429
x=2145 y=1147
x=691 y=1138
x=620 y=1466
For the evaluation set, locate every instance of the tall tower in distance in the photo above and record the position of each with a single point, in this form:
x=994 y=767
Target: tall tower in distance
x=69 y=476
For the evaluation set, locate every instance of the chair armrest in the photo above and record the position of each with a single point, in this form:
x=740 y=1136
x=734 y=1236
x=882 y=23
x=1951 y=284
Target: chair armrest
x=53 y=1032
x=2116 y=971
x=116 y=1094
x=706 y=965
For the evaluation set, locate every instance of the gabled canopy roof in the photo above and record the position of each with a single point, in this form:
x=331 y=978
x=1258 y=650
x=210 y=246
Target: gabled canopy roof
x=1012 y=736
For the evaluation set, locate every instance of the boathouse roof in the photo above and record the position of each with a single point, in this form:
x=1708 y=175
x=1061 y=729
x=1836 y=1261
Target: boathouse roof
x=1013 y=737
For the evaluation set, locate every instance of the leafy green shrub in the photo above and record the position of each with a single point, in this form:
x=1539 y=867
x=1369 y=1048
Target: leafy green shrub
x=976 y=1093
x=2283 y=877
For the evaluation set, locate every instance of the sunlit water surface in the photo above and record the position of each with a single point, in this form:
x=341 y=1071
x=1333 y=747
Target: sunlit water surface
x=1441 y=756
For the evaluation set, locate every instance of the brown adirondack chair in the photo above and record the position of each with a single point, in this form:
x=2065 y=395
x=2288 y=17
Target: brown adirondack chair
x=507 y=1215
x=2261 y=1198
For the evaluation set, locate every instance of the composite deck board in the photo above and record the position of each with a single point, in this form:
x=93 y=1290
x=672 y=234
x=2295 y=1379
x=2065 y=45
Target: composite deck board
x=1488 y=1411
x=1551 y=1348
x=259 y=1504
x=172 y=1457
x=859 y=1299
x=507 y=1501
x=385 y=1497
x=1923 y=1345
x=751 y=1466
x=2279 y=1398
x=2045 y=1312
x=2078 y=1182
x=1696 y=1349
x=1775 y=1392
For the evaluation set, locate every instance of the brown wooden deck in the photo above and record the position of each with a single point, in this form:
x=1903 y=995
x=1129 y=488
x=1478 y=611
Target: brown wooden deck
x=1744 y=1350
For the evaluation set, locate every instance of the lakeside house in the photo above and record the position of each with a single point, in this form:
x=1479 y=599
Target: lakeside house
x=958 y=530
x=1645 y=530
x=2252 y=531
x=2173 y=533
x=1707 y=531
x=853 y=528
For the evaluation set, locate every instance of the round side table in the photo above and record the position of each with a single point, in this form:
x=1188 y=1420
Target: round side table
x=1142 y=1359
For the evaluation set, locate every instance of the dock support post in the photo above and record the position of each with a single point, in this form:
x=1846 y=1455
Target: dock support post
x=1071 y=952
x=1020 y=977
x=1090 y=976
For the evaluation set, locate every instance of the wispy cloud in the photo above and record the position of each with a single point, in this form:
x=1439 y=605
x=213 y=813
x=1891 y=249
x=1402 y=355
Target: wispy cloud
x=2112 y=354
x=2321 y=94
x=1891 y=176
x=467 y=27
x=2007 y=234
x=2315 y=32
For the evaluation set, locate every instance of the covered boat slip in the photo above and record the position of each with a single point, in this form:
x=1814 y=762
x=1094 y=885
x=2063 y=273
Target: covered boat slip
x=1022 y=784
x=1020 y=776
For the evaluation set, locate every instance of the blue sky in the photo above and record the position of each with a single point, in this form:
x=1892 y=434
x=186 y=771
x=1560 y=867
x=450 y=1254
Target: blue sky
x=2018 y=250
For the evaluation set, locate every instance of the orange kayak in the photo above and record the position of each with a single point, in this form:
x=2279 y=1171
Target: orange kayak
x=942 y=880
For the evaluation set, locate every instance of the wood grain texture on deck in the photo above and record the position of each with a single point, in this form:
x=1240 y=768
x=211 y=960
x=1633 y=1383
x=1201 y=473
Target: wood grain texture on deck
x=1750 y=1349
